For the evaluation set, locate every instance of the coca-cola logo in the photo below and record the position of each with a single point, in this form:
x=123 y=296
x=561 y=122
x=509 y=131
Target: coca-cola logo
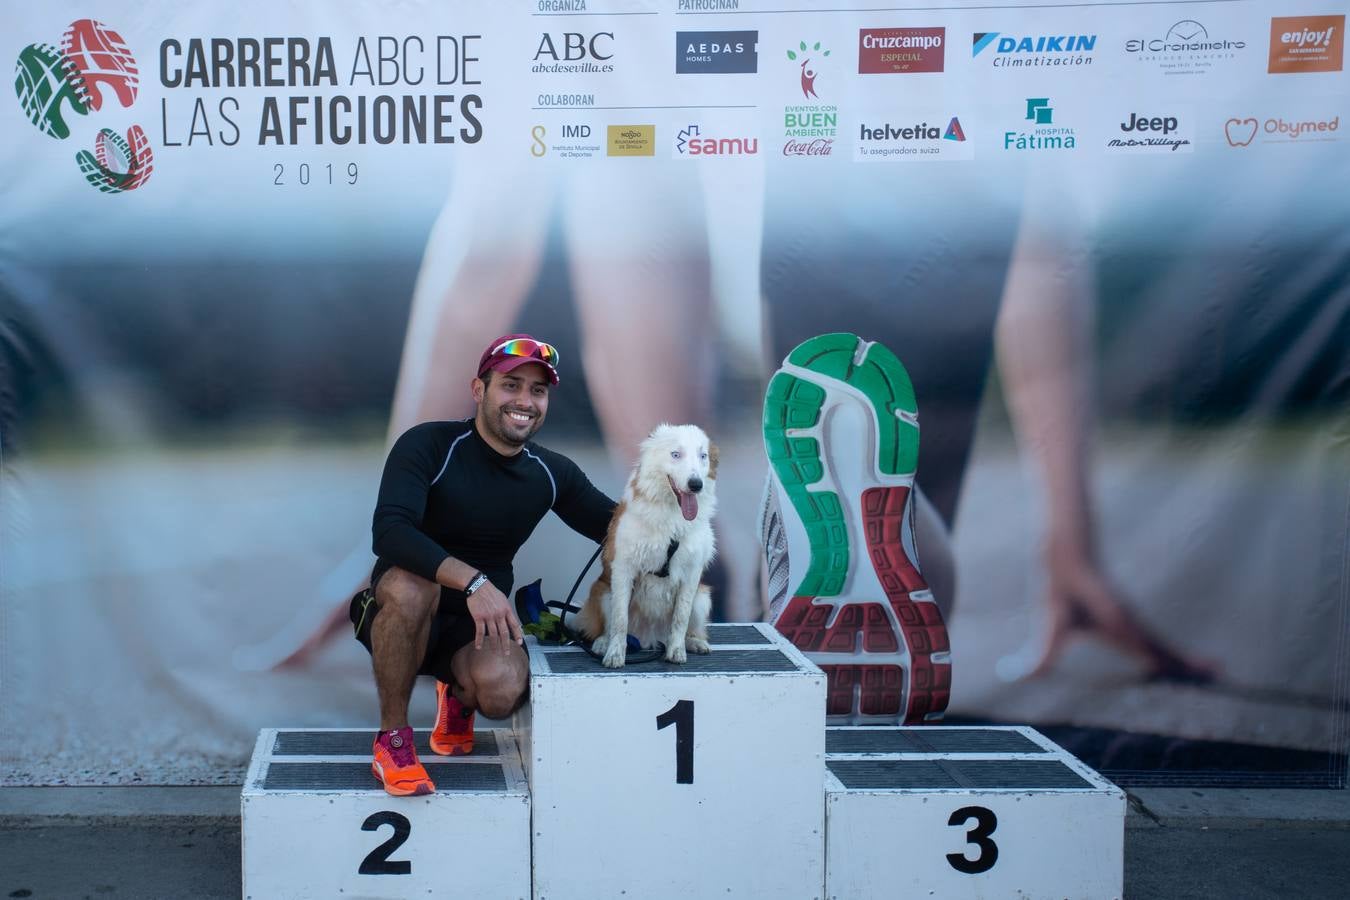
x=817 y=147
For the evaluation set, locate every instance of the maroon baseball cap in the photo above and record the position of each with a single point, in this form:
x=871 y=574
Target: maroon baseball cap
x=510 y=351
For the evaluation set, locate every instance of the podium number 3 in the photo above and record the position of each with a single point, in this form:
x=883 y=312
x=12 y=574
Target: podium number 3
x=681 y=715
x=377 y=861
x=985 y=823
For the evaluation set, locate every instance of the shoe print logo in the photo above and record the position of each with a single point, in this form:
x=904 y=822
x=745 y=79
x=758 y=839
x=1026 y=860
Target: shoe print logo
x=54 y=84
x=1240 y=132
x=808 y=73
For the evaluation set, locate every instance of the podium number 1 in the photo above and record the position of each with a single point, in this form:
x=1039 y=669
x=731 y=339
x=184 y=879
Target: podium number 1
x=681 y=715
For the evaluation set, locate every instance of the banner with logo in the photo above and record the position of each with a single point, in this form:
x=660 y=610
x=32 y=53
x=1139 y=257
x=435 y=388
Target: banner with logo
x=240 y=253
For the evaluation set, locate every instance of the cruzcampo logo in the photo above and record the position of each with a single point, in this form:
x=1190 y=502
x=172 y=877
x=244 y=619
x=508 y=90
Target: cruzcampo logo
x=56 y=85
x=808 y=71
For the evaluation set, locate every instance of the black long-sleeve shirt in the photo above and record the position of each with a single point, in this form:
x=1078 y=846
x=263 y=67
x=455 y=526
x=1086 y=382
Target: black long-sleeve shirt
x=445 y=492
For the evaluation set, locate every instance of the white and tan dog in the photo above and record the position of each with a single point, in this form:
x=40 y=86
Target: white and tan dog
x=660 y=541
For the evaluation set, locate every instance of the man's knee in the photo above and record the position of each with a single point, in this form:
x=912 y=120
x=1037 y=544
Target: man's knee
x=500 y=681
x=411 y=596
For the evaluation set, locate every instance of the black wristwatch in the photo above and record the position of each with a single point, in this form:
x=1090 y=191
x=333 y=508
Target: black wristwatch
x=474 y=584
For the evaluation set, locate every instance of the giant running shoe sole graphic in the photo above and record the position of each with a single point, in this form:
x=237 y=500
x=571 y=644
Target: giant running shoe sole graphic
x=842 y=435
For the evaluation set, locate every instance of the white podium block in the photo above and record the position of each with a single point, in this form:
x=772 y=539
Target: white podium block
x=967 y=812
x=317 y=824
x=679 y=781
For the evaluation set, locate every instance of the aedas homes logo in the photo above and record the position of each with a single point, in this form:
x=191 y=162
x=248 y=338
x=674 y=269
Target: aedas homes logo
x=52 y=83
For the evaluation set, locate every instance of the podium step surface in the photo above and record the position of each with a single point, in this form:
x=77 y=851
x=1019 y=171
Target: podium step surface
x=967 y=812
x=676 y=781
x=317 y=823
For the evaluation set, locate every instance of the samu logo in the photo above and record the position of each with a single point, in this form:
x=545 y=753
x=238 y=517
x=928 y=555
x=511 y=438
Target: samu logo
x=51 y=83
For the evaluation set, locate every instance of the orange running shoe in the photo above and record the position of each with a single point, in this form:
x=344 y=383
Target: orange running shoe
x=453 y=734
x=396 y=765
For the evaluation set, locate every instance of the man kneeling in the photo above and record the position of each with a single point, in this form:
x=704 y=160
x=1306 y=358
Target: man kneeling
x=457 y=500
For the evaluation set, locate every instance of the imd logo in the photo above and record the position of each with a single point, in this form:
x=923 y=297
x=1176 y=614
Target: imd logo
x=52 y=84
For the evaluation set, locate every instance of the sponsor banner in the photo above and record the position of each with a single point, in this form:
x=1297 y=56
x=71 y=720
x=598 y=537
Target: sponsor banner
x=565 y=140
x=884 y=51
x=631 y=140
x=1152 y=131
x=1041 y=130
x=1243 y=131
x=1033 y=51
x=903 y=136
x=574 y=53
x=1306 y=44
x=810 y=128
x=707 y=141
x=716 y=52
x=1187 y=47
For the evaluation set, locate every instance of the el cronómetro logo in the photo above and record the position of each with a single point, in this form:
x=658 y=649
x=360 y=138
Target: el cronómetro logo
x=53 y=84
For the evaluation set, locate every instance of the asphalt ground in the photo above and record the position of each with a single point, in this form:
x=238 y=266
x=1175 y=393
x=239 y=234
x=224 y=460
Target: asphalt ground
x=171 y=843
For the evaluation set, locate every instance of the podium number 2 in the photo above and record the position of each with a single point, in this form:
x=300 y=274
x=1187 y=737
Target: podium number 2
x=681 y=715
x=985 y=823
x=377 y=861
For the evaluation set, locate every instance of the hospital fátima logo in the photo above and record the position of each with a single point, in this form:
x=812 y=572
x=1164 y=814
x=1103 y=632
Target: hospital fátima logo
x=92 y=68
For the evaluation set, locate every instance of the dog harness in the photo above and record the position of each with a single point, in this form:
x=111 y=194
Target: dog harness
x=664 y=571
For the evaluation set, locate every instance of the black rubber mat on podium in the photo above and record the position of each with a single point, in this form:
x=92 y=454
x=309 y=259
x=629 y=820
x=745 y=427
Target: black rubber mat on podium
x=718 y=662
x=928 y=740
x=919 y=774
x=735 y=634
x=346 y=776
x=358 y=743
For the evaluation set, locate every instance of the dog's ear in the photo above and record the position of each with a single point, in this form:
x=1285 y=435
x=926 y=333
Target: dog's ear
x=712 y=459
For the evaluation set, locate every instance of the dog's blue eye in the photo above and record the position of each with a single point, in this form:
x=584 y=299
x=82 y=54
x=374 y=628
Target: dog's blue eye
x=674 y=454
x=704 y=454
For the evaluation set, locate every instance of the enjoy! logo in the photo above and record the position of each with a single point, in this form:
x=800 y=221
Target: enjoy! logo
x=52 y=82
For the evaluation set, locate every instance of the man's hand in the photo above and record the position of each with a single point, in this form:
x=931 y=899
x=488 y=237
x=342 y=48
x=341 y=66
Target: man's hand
x=493 y=616
x=1080 y=600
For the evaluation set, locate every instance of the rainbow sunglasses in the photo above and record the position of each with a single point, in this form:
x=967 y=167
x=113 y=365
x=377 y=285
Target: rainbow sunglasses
x=528 y=349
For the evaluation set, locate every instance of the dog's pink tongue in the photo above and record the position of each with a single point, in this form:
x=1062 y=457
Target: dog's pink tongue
x=688 y=505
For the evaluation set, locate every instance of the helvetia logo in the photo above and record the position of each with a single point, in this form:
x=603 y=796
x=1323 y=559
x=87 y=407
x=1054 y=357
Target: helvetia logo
x=51 y=83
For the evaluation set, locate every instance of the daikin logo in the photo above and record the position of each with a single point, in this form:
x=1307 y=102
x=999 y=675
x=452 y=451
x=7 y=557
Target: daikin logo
x=1044 y=135
x=1015 y=52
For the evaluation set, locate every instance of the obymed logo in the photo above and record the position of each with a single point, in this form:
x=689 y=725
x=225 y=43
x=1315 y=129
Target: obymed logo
x=574 y=53
x=883 y=51
x=694 y=141
x=632 y=140
x=1307 y=44
x=1042 y=133
x=52 y=83
x=716 y=52
x=1144 y=133
x=1278 y=130
x=917 y=139
x=1186 y=49
x=1009 y=51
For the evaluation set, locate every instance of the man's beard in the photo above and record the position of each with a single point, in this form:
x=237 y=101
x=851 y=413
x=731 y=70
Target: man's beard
x=508 y=431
